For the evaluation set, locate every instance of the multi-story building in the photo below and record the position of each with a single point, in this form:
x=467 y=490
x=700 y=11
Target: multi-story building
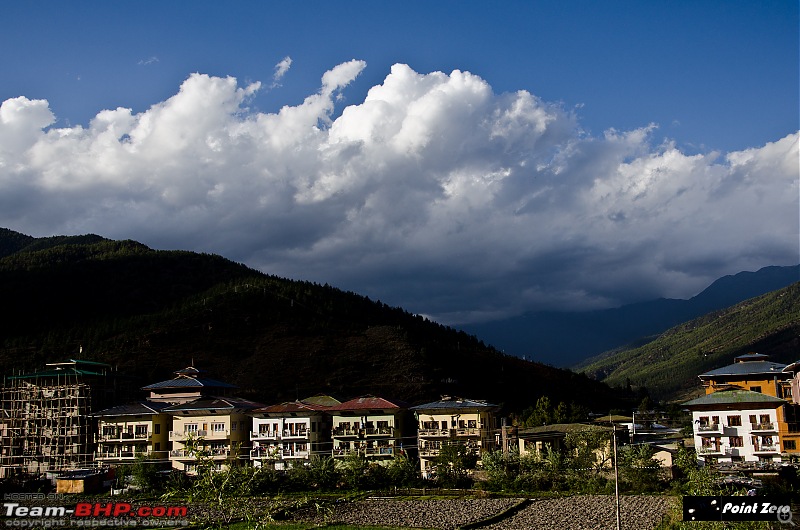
x=210 y=427
x=128 y=431
x=291 y=432
x=755 y=373
x=206 y=421
x=48 y=415
x=453 y=420
x=735 y=425
x=371 y=426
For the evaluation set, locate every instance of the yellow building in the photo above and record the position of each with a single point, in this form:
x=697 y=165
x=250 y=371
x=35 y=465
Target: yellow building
x=127 y=431
x=205 y=420
x=453 y=420
x=755 y=373
x=371 y=426
x=218 y=428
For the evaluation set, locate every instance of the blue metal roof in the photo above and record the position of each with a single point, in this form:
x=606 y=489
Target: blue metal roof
x=746 y=368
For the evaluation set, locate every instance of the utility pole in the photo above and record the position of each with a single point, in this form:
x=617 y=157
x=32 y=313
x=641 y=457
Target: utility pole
x=504 y=436
x=616 y=471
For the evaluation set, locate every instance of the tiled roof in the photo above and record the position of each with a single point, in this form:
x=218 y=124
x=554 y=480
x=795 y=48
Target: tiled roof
x=746 y=368
x=367 y=403
x=133 y=409
x=734 y=396
x=455 y=403
x=224 y=404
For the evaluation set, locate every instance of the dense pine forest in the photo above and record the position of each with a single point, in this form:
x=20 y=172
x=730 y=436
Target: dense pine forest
x=149 y=312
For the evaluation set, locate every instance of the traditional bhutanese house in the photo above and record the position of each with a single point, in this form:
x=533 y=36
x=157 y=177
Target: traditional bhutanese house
x=205 y=419
x=188 y=384
x=736 y=425
x=371 y=426
x=291 y=432
x=453 y=420
x=755 y=373
x=127 y=431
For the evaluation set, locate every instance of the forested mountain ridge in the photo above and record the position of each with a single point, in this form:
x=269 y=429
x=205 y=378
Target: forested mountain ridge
x=669 y=365
x=150 y=312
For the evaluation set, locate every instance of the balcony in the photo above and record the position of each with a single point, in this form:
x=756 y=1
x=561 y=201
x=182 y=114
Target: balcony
x=378 y=451
x=705 y=429
x=123 y=437
x=761 y=449
x=218 y=435
x=469 y=431
x=265 y=435
x=296 y=434
x=762 y=427
x=709 y=450
x=434 y=433
x=180 y=435
x=429 y=452
x=379 y=431
x=120 y=455
x=344 y=432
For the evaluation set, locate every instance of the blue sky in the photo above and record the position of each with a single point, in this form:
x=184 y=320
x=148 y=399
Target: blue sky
x=597 y=153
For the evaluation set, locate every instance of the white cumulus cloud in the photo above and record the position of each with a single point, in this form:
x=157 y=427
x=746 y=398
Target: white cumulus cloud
x=434 y=193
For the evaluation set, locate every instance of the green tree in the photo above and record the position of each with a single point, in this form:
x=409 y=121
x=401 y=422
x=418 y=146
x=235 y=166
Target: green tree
x=452 y=465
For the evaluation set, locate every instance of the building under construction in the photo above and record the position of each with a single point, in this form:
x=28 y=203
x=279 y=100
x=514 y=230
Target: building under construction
x=47 y=424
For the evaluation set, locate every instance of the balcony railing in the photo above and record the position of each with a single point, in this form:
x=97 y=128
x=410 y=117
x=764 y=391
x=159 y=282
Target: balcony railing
x=216 y=434
x=379 y=431
x=767 y=449
x=431 y=433
x=120 y=455
x=180 y=435
x=265 y=435
x=123 y=437
x=762 y=426
x=429 y=452
x=378 y=451
x=296 y=434
x=341 y=431
x=709 y=428
x=709 y=450
x=469 y=431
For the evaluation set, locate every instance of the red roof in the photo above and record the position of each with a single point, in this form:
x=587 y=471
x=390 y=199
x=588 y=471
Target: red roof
x=293 y=406
x=368 y=402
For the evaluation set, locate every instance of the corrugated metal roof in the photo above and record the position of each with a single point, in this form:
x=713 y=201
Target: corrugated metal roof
x=746 y=368
x=734 y=396
x=368 y=402
x=188 y=382
x=224 y=404
x=455 y=404
x=133 y=409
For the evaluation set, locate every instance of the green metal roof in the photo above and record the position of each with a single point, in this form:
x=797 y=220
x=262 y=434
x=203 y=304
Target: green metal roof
x=734 y=396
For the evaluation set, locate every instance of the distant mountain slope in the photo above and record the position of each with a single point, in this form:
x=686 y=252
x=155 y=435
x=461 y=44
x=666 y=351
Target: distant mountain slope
x=151 y=312
x=565 y=339
x=669 y=366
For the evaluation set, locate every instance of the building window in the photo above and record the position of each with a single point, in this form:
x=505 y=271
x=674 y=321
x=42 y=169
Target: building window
x=789 y=445
x=755 y=389
x=736 y=441
x=735 y=421
x=190 y=427
x=217 y=427
x=157 y=446
x=157 y=428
